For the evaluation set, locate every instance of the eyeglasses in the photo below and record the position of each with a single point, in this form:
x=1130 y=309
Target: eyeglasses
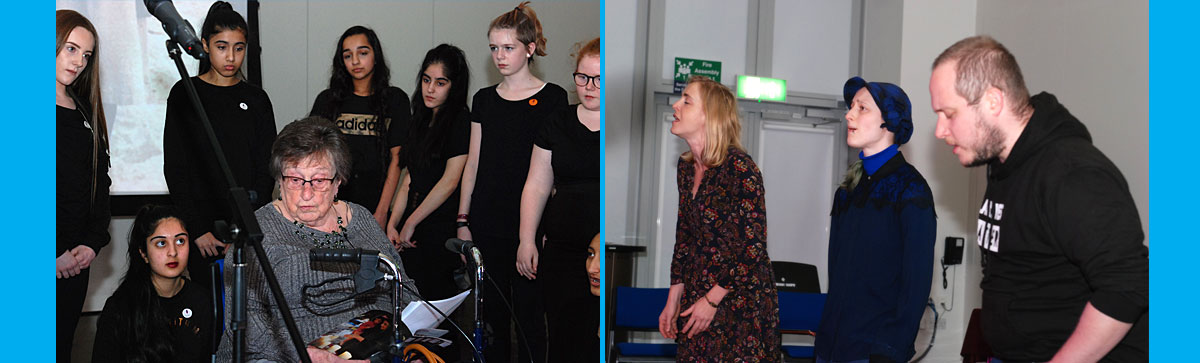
x=296 y=183
x=581 y=80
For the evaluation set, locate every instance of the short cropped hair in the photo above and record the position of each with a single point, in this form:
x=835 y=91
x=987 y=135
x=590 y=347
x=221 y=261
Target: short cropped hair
x=982 y=63
x=307 y=137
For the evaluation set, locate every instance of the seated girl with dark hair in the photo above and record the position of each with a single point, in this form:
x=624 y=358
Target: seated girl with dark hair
x=156 y=315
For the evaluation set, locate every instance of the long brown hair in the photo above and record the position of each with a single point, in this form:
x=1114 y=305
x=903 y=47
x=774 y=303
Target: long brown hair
x=86 y=87
x=722 y=126
x=524 y=21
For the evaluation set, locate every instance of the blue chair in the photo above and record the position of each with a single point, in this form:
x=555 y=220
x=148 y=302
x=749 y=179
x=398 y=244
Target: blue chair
x=799 y=313
x=637 y=309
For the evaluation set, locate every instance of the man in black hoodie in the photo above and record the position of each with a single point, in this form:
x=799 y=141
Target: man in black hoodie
x=1065 y=273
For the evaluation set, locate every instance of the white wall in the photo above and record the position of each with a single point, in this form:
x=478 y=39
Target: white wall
x=706 y=29
x=811 y=35
x=299 y=39
x=928 y=28
x=1094 y=56
x=620 y=64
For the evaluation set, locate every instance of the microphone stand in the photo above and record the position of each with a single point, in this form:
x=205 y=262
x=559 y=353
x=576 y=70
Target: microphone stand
x=399 y=329
x=479 y=273
x=244 y=231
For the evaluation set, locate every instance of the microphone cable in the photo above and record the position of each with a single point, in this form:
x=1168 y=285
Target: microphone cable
x=474 y=349
x=524 y=338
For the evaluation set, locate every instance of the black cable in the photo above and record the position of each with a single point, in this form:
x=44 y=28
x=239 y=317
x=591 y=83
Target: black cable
x=310 y=297
x=452 y=323
x=944 y=267
x=524 y=338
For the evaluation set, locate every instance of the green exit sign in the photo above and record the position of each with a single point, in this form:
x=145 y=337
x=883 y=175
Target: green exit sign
x=762 y=88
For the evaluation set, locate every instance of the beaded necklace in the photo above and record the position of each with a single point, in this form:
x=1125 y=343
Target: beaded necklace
x=336 y=239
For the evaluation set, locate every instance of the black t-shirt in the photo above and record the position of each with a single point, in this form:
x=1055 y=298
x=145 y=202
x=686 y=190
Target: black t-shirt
x=188 y=316
x=576 y=150
x=370 y=140
x=508 y=129
x=426 y=175
x=244 y=122
x=572 y=214
x=81 y=218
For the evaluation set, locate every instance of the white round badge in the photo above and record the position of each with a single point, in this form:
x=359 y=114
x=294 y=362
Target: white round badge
x=187 y=313
x=244 y=107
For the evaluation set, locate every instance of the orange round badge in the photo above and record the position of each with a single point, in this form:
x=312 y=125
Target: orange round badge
x=533 y=102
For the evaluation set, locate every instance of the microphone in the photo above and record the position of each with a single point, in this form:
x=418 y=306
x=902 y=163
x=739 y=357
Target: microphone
x=176 y=27
x=367 y=260
x=339 y=254
x=464 y=247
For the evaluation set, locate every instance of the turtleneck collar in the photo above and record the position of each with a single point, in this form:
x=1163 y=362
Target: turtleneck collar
x=872 y=163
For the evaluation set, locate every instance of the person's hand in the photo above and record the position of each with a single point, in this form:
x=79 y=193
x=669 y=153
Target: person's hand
x=666 y=320
x=381 y=217
x=463 y=233
x=394 y=236
x=527 y=260
x=66 y=266
x=701 y=317
x=83 y=256
x=406 y=234
x=322 y=356
x=207 y=243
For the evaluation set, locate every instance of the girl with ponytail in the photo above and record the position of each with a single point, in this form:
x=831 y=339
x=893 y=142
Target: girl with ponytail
x=242 y=119
x=505 y=119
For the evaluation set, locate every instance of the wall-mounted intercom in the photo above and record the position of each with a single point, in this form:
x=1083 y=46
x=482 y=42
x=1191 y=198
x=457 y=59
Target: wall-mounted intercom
x=954 y=251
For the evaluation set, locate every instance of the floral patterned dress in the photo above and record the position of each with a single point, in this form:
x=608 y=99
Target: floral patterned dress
x=721 y=239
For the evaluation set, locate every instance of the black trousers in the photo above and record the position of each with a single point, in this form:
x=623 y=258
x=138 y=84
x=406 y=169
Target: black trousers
x=69 y=295
x=500 y=258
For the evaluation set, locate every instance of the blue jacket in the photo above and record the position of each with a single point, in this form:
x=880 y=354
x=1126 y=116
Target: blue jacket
x=881 y=240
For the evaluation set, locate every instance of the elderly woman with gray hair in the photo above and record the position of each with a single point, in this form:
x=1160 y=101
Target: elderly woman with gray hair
x=309 y=160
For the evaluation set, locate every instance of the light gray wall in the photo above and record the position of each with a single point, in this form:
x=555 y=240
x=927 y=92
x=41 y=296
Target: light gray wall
x=299 y=38
x=928 y=28
x=625 y=77
x=1094 y=56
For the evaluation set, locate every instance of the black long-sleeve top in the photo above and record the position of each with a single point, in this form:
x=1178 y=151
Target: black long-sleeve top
x=244 y=122
x=82 y=217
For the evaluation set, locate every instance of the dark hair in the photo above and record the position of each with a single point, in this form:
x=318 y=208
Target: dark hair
x=139 y=321
x=524 y=21
x=341 y=86
x=305 y=137
x=982 y=63
x=429 y=130
x=221 y=17
x=86 y=88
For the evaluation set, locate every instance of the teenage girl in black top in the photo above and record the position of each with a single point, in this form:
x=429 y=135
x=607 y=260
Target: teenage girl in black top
x=242 y=119
x=566 y=158
x=505 y=119
x=81 y=194
x=156 y=314
x=428 y=195
x=435 y=157
x=371 y=113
